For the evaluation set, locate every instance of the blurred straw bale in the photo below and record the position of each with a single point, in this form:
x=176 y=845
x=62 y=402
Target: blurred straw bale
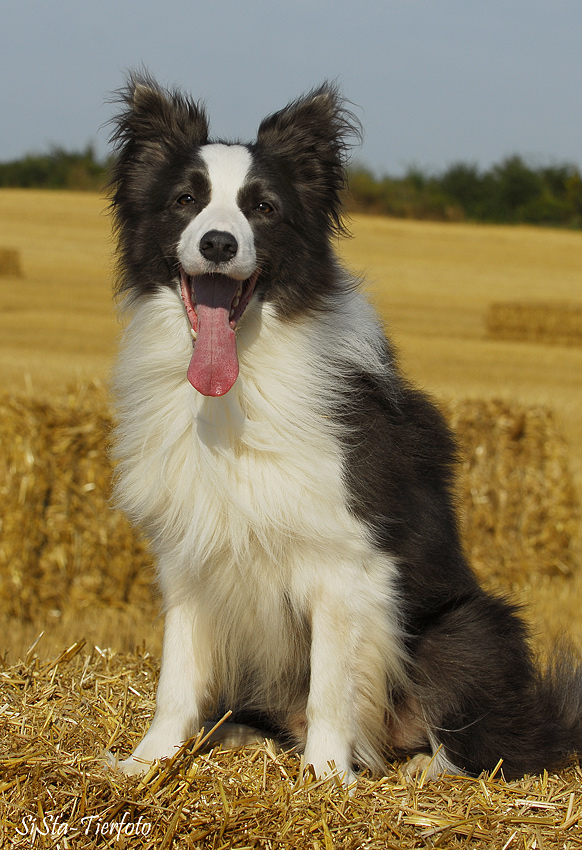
x=10 y=265
x=551 y=323
x=518 y=504
x=61 y=544
x=67 y=557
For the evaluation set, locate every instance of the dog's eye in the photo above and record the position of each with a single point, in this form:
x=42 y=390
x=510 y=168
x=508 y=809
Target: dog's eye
x=265 y=208
x=184 y=200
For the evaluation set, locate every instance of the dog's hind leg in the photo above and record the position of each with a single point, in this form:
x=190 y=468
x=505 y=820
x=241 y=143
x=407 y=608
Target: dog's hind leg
x=182 y=690
x=482 y=699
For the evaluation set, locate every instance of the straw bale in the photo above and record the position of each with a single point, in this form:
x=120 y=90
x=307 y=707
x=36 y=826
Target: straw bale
x=60 y=715
x=10 y=265
x=61 y=544
x=519 y=507
x=67 y=557
x=550 y=322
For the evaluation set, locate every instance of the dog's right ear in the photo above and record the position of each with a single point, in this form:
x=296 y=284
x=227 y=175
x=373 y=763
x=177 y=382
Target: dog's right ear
x=156 y=119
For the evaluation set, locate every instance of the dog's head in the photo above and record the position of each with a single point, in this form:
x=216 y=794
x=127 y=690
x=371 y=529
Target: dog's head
x=228 y=222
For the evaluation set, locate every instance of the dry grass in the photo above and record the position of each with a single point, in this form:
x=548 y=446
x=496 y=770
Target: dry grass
x=546 y=322
x=56 y=324
x=59 y=716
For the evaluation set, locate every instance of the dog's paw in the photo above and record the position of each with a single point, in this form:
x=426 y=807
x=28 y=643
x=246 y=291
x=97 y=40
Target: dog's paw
x=233 y=735
x=428 y=767
x=341 y=775
x=417 y=765
x=329 y=762
x=151 y=749
x=156 y=746
x=130 y=766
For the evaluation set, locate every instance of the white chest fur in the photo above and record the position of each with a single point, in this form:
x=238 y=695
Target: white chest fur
x=244 y=499
x=255 y=474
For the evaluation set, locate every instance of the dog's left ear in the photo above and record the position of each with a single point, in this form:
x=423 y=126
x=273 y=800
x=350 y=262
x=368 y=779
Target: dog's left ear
x=314 y=135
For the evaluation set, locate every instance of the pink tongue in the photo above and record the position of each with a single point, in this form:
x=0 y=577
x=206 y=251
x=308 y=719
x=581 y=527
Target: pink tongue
x=214 y=365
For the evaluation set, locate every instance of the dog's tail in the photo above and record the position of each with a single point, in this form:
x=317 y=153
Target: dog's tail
x=556 y=728
x=545 y=731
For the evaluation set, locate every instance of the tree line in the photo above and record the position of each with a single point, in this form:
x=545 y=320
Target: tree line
x=511 y=191
x=57 y=169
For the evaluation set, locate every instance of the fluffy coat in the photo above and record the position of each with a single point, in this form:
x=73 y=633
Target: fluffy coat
x=296 y=489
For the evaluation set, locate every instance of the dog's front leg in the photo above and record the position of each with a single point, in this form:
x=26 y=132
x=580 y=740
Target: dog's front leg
x=182 y=689
x=331 y=691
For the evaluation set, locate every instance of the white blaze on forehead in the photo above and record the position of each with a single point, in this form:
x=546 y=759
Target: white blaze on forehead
x=227 y=166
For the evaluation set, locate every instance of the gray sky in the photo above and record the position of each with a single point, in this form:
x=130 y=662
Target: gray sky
x=434 y=81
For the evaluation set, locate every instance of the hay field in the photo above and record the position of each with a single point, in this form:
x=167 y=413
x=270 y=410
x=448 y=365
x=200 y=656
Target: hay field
x=518 y=410
x=56 y=323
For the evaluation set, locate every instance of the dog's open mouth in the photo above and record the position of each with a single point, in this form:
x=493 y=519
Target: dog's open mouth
x=214 y=304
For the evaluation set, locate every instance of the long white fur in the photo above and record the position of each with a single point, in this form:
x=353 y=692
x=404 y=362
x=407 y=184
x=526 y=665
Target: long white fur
x=261 y=562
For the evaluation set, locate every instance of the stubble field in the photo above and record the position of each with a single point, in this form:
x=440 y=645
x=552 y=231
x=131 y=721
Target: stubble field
x=437 y=287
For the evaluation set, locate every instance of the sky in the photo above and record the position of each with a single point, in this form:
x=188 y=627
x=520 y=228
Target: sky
x=433 y=82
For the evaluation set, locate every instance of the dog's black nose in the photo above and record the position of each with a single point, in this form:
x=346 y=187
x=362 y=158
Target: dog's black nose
x=217 y=246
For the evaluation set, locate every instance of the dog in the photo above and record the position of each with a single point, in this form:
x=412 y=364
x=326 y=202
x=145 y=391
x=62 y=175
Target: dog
x=297 y=491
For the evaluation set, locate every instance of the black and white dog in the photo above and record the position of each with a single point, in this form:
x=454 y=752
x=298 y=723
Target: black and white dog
x=296 y=490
